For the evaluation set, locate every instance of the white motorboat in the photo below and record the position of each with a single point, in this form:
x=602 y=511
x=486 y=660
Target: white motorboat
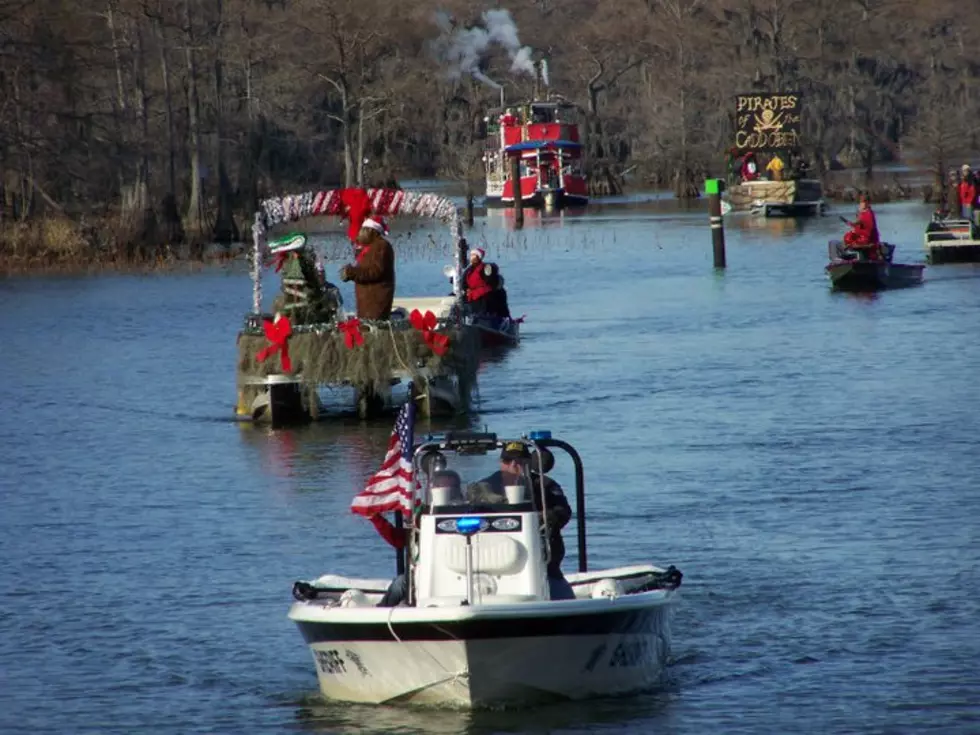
x=480 y=629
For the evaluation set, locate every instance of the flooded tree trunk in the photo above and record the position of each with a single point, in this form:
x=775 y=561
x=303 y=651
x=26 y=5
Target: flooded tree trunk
x=194 y=219
x=360 y=144
x=21 y=193
x=225 y=229
x=596 y=142
x=350 y=172
x=684 y=185
x=142 y=209
x=135 y=213
x=173 y=228
x=250 y=170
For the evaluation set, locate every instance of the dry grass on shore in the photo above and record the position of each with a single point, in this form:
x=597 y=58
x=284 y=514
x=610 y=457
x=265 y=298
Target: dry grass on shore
x=59 y=245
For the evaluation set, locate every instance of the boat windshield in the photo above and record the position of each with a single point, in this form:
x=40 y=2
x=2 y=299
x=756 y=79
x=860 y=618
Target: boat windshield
x=483 y=480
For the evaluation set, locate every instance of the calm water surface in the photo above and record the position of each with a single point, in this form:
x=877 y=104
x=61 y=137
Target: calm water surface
x=809 y=460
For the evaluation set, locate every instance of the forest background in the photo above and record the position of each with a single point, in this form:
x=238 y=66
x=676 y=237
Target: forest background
x=131 y=125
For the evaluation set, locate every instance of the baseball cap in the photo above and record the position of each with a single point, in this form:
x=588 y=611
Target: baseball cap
x=514 y=450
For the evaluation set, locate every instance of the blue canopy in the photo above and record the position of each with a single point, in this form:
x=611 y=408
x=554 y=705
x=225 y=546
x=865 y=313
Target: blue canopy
x=530 y=145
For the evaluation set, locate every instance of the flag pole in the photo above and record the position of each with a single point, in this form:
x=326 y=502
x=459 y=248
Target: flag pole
x=400 y=553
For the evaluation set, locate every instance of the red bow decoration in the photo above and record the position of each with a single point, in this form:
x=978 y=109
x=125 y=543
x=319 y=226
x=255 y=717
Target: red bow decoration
x=277 y=332
x=439 y=343
x=352 y=332
x=358 y=207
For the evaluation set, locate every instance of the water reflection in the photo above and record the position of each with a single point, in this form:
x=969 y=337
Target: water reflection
x=317 y=715
x=505 y=217
x=774 y=226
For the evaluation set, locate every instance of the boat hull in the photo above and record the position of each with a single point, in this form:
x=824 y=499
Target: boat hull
x=961 y=252
x=778 y=198
x=559 y=199
x=492 y=659
x=499 y=334
x=951 y=241
x=848 y=275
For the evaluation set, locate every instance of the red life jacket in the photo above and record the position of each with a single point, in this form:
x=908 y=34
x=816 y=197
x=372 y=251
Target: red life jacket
x=477 y=283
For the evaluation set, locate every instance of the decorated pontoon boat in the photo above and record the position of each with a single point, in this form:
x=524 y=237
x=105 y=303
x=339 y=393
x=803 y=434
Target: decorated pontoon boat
x=480 y=628
x=778 y=198
x=307 y=344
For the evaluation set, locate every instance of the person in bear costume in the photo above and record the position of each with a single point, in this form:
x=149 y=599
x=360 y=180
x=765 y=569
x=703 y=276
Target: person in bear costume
x=373 y=271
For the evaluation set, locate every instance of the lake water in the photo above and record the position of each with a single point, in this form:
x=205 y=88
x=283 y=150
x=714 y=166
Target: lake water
x=809 y=460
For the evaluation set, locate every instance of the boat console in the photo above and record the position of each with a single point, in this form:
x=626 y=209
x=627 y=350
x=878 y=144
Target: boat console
x=481 y=558
x=480 y=550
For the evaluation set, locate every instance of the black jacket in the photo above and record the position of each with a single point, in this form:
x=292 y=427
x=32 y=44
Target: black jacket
x=556 y=510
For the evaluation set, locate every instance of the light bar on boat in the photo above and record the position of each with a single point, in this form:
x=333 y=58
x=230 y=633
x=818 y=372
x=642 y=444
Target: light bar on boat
x=536 y=435
x=469 y=524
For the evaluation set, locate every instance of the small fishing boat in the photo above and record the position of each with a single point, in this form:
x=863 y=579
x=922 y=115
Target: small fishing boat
x=851 y=270
x=494 y=330
x=498 y=332
x=481 y=629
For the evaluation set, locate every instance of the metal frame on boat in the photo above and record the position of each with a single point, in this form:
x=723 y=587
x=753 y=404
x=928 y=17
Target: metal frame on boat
x=481 y=629
x=951 y=240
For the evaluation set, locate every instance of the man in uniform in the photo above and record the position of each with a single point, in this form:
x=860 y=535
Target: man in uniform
x=517 y=468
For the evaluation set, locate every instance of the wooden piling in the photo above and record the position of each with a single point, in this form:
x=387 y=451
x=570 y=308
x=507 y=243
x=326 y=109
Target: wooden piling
x=515 y=179
x=713 y=188
x=469 y=205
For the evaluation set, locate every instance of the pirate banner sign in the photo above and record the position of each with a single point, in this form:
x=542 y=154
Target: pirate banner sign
x=767 y=122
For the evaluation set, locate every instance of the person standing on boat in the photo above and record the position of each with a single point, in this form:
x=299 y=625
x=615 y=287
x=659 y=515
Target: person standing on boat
x=750 y=168
x=373 y=271
x=775 y=167
x=398 y=537
x=967 y=191
x=483 y=287
x=516 y=469
x=863 y=234
x=478 y=280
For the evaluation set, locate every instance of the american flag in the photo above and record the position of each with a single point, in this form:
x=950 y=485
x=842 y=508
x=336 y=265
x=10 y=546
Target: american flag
x=392 y=487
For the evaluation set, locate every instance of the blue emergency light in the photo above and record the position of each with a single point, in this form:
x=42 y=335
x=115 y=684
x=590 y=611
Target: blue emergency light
x=468 y=525
x=536 y=435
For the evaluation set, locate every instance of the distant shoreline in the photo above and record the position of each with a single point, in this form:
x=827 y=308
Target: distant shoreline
x=63 y=251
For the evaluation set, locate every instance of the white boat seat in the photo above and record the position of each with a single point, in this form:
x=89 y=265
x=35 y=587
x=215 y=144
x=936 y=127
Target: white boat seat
x=491 y=555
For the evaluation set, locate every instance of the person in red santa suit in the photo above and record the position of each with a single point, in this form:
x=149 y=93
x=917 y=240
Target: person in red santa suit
x=483 y=287
x=863 y=234
x=479 y=281
x=750 y=167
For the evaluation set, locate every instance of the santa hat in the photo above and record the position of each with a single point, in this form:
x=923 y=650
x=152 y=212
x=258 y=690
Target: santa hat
x=479 y=252
x=376 y=224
